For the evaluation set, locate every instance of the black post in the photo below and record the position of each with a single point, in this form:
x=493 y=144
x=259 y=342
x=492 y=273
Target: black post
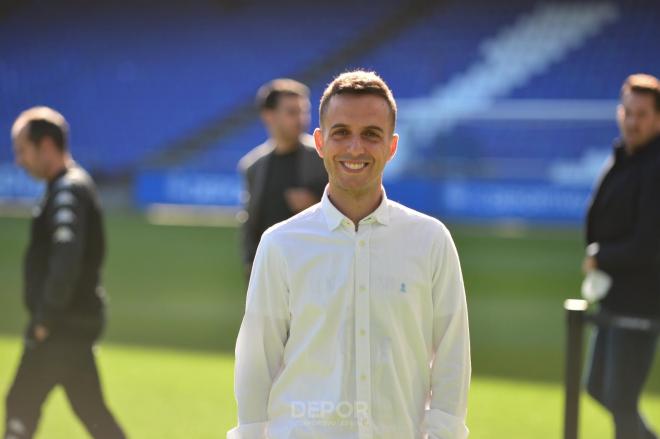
x=575 y=311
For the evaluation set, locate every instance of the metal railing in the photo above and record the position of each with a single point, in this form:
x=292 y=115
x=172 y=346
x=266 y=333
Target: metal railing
x=576 y=319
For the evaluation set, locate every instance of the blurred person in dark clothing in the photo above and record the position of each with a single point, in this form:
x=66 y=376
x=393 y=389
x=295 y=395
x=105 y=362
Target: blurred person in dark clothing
x=62 y=275
x=284 y=175
x=623 y=237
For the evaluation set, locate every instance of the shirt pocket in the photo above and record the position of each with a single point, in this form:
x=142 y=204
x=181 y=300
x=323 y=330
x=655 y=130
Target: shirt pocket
x=397 y=288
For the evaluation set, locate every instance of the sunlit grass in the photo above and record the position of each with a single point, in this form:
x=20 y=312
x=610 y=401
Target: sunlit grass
x=177 y=297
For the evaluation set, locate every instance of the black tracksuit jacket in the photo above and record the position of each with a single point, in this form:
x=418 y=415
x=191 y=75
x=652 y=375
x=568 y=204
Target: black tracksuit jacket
x=624 y=219
x=62 y=266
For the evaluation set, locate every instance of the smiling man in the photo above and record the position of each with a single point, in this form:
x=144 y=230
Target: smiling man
x=356 y=321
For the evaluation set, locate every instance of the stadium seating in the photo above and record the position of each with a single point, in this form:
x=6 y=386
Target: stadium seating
x=596 y=70
x=472 y=55
x=135 y=76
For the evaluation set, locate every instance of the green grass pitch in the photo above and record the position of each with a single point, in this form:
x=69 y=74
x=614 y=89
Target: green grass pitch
x=177 y=297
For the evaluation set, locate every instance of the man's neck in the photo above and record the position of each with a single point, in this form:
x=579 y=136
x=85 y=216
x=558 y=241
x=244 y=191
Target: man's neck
x=356 y=206
x=285 y=146
x=57 y=167
x=634 y=149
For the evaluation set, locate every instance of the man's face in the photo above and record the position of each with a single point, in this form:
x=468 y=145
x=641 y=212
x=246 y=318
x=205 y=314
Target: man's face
x=638 y=120
x=29 y=156
x=289 y=119
x=356 y=141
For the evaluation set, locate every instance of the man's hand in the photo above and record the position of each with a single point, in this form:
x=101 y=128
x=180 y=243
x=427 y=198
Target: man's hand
x=589 y=264
x=40 y=333
x=300 y=199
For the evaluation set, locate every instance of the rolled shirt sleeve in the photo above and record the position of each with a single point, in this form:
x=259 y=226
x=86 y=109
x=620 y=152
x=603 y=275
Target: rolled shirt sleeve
x=450 y=368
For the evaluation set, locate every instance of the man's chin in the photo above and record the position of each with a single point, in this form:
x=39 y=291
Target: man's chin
x=355 y=190
x=636 y=143
x=34 y=175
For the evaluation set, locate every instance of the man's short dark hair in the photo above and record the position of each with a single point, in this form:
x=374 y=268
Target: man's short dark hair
x=643 y=84
x=41 y=122
x=358 y=82
x=269 y=94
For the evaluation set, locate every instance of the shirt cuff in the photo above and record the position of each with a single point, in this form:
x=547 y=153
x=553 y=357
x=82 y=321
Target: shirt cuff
x=442 y=425
x=593 y=249
x=255 y=430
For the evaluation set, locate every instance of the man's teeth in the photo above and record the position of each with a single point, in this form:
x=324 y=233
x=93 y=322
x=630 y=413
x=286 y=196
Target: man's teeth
x=355 y=165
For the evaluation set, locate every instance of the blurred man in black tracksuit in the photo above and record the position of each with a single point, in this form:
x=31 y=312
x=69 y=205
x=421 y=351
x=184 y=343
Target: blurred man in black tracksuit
x=62 y=284
x=623 y=237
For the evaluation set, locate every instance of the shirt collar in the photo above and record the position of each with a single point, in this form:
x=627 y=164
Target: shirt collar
x=333 y=217
x=57 y=176
x=650 y=148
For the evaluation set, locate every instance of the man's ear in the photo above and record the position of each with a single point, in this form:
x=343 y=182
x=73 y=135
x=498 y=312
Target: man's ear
x=393 y=146
x=266 y=117
x=318 y=141
x=46 y=146
x=620 y=114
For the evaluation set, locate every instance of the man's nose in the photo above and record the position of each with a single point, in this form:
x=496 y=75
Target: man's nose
x=355 y=145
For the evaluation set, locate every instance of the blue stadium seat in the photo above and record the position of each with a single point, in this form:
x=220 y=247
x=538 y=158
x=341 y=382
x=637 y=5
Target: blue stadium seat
x=134 y=76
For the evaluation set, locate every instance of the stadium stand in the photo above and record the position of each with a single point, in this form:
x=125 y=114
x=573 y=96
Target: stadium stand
x=170 y=84
x=465 y=57
x=133 y=76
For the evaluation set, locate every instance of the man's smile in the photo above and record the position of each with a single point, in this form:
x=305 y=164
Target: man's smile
x=353 y=166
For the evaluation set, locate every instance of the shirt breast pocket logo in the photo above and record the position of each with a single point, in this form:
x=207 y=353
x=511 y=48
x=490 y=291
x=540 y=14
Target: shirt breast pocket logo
x=395 y=286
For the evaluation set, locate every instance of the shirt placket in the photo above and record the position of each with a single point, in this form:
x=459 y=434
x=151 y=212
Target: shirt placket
x=362 y=333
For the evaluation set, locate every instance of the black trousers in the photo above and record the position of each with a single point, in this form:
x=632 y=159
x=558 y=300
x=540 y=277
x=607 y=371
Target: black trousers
x=620 y=362
x=58 y=361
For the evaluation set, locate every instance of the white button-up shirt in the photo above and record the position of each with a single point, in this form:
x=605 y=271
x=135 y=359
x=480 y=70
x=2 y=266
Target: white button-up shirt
x=354 y=334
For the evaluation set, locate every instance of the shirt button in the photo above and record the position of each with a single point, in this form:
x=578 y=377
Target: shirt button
x=363 y=332
x=363 y=377
x=362 y=243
